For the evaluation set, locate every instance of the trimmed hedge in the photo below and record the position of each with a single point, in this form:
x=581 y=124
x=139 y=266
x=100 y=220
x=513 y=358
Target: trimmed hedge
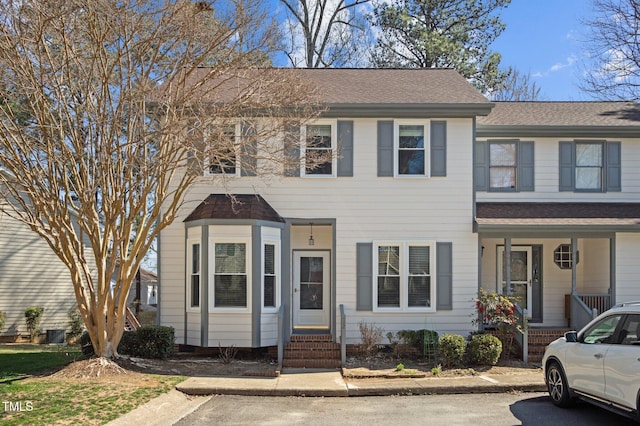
x=148 y=341
x=451 y=349
x=484 y=349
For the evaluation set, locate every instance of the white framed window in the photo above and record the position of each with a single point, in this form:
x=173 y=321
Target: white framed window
x=502 y=166
x=589 y=166
x=221 y=150
x=318 y=148
x=230 y=271
x=194 y=281
x=411 y=145
x=404 y=276
x=270 y=275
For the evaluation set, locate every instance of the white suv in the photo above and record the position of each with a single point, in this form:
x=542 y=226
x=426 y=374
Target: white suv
x=599 y=364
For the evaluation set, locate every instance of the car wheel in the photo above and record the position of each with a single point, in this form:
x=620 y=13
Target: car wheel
x=557 y=386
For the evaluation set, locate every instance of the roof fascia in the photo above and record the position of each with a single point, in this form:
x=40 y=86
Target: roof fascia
x=383 y=110
x=551 y=231
x=484 y=131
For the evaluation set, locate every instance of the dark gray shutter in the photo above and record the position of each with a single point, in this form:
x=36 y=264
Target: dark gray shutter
x=364 y=279
x=292 y=149
x=444 y=276
x=481 y=166
x=345 y=148
x=526 y=171
x=438 y=148
x=385 y=148
x=249 y=144
x=614 y=169
x=567 y=166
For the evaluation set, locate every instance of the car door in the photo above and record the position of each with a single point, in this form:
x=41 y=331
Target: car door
x=622 y=365
x=584 y=362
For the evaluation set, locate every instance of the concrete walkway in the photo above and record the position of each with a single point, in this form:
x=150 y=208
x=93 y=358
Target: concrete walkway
x=171 y=407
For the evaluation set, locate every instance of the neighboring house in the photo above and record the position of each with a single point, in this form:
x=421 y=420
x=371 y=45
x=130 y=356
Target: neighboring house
x=31 y=275
x=429 y=185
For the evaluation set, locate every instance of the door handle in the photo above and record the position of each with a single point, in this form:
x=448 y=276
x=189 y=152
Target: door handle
x=295 y=290
x=598 y=356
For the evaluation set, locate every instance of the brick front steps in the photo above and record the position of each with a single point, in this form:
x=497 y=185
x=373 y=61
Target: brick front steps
x=311 y=351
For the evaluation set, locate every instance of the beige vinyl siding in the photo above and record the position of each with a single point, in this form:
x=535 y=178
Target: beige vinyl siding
x=230 y=329
x=627 y=268
x=365 y=208
x=547 y=178
x=269 y=329
x=31 y=275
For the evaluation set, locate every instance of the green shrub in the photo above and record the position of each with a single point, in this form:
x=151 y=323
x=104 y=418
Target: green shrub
x=2 y=320
x=451 y=348
x=149 y=341
x=154 y=341
x=76 y=323
x=32 y=318
x=484 y=349
x=425 y=341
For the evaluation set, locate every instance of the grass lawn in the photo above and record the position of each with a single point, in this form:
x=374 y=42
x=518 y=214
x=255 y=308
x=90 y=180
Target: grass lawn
x=48 y=399
x=19 y=360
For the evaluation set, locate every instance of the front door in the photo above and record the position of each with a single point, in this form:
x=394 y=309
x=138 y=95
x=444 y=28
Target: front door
x=521 y=274
x=311 y=289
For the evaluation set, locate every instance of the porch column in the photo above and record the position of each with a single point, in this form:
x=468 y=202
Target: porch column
x=507 y=264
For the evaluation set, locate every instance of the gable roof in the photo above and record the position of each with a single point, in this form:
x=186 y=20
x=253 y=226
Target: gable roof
x=237 y=206
x=572 y=119
x=365 y=92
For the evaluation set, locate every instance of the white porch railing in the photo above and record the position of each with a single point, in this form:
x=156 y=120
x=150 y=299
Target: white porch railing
x=601 y=302
x=581 y=314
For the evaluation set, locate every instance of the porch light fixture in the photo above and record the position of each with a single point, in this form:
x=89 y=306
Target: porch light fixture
x=311 y=240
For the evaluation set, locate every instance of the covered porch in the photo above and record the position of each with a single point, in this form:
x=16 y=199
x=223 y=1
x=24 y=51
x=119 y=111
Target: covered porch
x=562 y=258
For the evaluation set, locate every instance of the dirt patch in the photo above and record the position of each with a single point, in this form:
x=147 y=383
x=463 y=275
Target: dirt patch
x=386 y=366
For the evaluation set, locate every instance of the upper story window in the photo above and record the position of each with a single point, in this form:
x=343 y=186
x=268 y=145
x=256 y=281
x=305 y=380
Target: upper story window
x=502 y=166
x=221 y=151
x=590 y=166
x=410 y=146
x=318 y=149
x=404 y=276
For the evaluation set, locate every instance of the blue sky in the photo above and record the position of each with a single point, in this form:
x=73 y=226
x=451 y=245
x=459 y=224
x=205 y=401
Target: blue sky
x=546 y=38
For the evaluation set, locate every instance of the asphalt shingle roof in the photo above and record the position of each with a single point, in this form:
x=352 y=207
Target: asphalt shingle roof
x=562 y=114
x=238 y=206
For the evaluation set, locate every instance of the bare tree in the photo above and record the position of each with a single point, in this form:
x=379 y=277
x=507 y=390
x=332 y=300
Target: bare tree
x=96 y=155
x=613 y=69
x=516 y=87
x=326 y=33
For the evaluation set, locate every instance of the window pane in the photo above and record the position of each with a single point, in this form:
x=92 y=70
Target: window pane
x=231 y=291
x=319 y=136
x=311 y=270
x=419 y=291
x=319 y=165
x=411 y=162
x=222 y=153
x=269 y=291
x=603 y=331
x=389 y=292
x=411 y=137
x=502 y=177
x=269 y=259
x=502 y=154
x=588 y=154
x=388 y=260
x=588 y=177
x=311 y=296
x=418 y=260
x=230 y=258
x=195 y=258
x=195 y=290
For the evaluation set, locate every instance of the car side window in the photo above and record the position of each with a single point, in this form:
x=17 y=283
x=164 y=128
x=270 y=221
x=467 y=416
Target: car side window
x=631 y=330
x=603 y=331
